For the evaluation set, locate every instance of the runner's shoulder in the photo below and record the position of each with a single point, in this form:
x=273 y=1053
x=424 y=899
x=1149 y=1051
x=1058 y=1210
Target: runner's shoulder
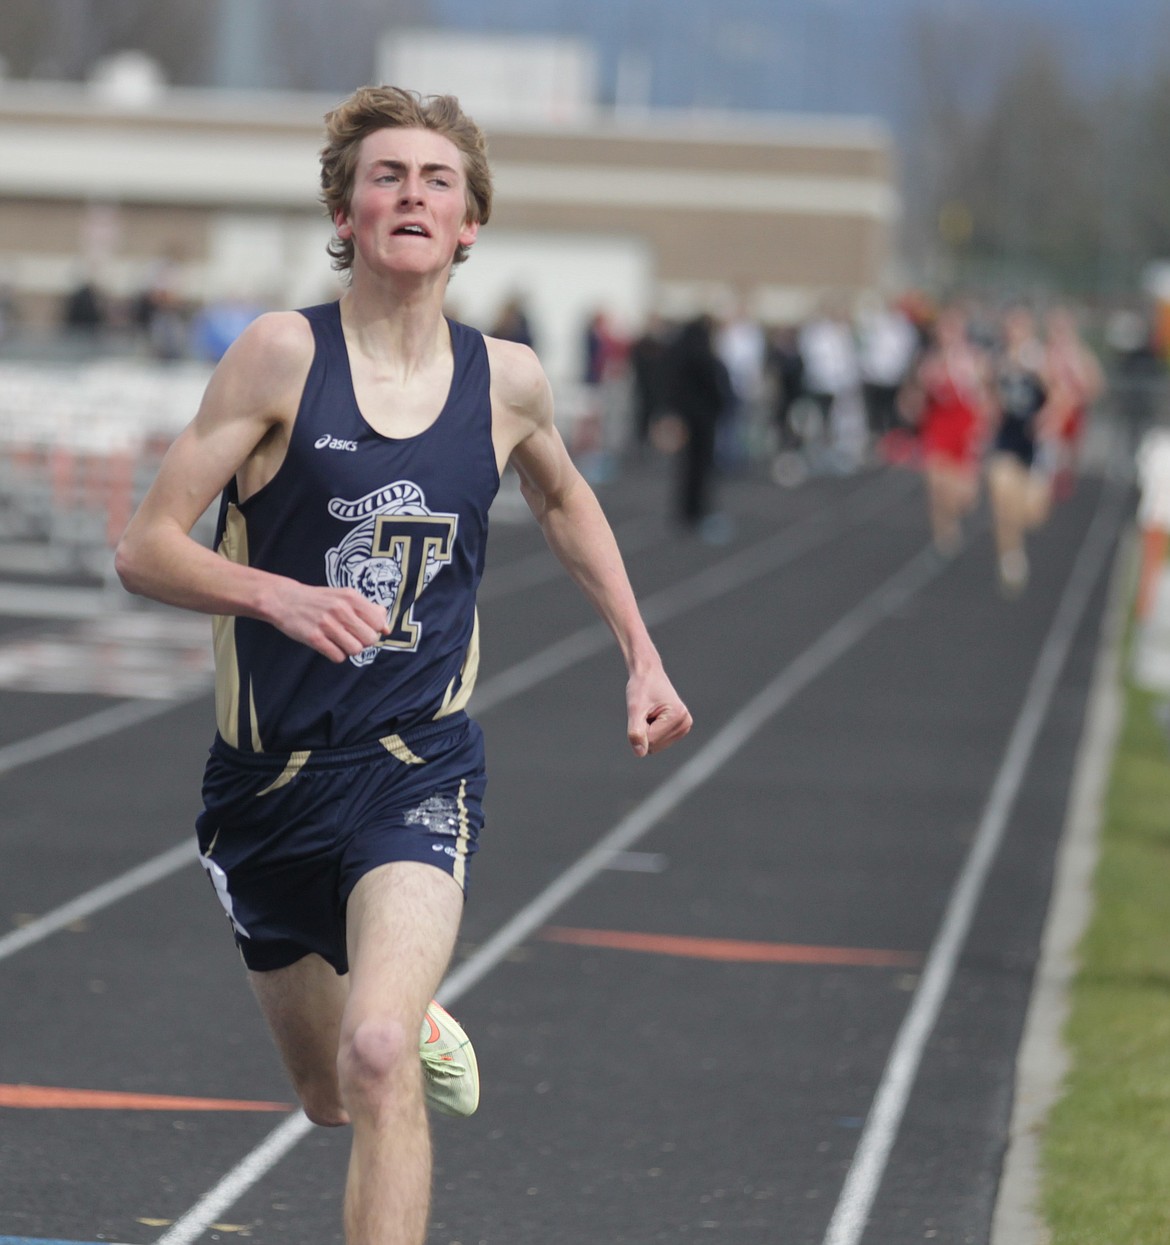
x=275 y=339
x=262 y=375
x=519 y=383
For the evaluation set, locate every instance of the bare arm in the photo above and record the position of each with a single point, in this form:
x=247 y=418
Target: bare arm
x=1092 y=376
x=579 y=534
x=240 y=429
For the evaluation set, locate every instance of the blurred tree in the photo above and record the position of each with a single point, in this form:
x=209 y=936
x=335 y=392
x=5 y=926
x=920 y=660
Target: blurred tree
x=1033 y=184
x=1019 y=173
x=959 y=60
x=1150 y=156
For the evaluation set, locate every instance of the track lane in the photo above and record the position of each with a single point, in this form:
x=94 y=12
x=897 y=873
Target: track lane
x=465 y=1148
x=110 y=747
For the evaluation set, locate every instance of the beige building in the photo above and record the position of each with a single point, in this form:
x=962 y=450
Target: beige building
x=627 y=212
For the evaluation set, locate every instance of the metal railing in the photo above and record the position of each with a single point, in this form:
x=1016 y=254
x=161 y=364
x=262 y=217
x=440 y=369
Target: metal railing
x=79 y=444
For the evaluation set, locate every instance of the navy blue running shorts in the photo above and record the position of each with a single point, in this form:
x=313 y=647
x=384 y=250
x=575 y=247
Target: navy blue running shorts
x=285 y=838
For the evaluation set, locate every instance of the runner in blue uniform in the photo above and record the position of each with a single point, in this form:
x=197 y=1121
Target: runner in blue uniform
x=356 y=448
x=1020 y=466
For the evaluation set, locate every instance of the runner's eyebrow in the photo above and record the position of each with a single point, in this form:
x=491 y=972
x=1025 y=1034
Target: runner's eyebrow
x=400 y=166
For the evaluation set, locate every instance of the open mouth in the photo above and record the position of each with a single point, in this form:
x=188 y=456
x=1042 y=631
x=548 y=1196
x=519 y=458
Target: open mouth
x=411 y=231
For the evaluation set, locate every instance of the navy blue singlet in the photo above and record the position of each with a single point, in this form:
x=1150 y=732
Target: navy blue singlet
x=402 y=521
x=1022 y=395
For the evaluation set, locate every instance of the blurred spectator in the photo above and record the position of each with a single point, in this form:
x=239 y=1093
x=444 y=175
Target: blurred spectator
x=699 y=391
x=741 y=344
x=159 y=315
x=605 y=350
x=83 y=313
x=9 y=314
x=887 y=346
x=831 y=373
x=786 y=365
x=513 y=324
x=219 y=323
x=605 y=397
x=1138 y=378
x=1153 y=470
x=920 y=313
x=648 y=372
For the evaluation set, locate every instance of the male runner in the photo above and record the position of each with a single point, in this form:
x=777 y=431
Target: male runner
x=357 y=447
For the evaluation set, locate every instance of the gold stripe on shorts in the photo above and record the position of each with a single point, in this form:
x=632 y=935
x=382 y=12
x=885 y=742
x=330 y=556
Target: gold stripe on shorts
x=296 y=761
x=396 y=746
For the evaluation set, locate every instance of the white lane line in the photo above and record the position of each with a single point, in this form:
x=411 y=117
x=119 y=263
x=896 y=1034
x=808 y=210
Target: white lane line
x=885 y=1116
x=86 y=730
x=796 y=676
x=817 y=658
x=733 y=572
x=1042 y=1061
x=719 y=578
x=244 y=1176
x=100 y=897
x=542 y=567
x=707 y=585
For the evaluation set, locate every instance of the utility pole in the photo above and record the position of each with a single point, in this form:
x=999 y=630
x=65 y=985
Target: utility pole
x=242 y=36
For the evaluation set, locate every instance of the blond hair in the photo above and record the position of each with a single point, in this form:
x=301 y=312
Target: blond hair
x=372 y=108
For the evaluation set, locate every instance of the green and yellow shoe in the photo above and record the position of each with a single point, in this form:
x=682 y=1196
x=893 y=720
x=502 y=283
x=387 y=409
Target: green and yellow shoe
x=451 y=1075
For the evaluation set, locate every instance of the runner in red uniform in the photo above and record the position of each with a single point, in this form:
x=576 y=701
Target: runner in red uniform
x=950 y=393
x=1077 y=382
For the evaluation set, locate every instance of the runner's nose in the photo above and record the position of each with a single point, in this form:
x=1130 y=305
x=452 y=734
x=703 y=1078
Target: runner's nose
x=411 y=192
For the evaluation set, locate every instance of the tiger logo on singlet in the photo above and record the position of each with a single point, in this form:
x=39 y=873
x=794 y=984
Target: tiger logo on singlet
x=391 y=555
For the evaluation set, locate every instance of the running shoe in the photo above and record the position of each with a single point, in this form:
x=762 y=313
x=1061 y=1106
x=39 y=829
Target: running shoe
x=451 y=1076
x=1013 y=572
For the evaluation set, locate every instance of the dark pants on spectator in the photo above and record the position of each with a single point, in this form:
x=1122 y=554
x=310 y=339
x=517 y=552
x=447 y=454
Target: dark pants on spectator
x=696 y=471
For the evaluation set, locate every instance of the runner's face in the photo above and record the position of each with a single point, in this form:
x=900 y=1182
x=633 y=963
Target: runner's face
x=408 y=210
x=952 y=329
x=1019 y=328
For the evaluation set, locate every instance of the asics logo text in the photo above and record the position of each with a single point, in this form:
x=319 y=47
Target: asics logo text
x=326 y=442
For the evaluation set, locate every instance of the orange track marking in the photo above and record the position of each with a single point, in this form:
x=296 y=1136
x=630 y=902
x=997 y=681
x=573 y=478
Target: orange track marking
x=39 y=1096
x=728 y=949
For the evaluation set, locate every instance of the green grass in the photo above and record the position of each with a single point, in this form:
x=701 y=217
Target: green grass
x=1106 y=1152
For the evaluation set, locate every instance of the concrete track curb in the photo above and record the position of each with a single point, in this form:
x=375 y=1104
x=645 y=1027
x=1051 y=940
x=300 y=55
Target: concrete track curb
x=1043 y=1060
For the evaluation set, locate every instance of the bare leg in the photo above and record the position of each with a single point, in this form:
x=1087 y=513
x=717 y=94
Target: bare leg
x=402 y=920
x=303 y=1005
x=1007 y=481
x=350 y=1044
x=1038 y=492
x=952 y=493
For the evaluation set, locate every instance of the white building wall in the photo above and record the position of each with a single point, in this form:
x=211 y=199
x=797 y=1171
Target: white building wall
x=499 y=79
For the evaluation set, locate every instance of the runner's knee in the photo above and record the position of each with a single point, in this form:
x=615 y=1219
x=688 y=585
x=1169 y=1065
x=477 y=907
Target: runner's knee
x=373 y=1057
x=322 y=1105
